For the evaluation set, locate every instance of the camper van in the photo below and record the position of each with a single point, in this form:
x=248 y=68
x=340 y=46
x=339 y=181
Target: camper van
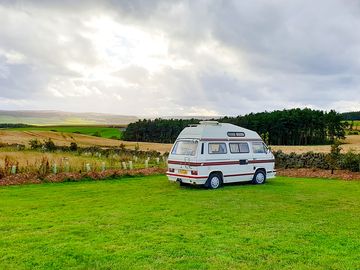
x=213 y=153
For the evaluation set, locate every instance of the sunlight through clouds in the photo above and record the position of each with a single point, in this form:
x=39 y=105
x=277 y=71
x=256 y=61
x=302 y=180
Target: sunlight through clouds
x=179 y=57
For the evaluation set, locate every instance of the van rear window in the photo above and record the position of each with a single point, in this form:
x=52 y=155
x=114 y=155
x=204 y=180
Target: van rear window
x=187 y=148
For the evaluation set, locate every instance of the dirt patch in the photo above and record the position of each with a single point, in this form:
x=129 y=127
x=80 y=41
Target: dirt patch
x=318 y=173
x=32 y=178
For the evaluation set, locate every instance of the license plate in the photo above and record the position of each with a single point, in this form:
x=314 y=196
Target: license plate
x=183 y=171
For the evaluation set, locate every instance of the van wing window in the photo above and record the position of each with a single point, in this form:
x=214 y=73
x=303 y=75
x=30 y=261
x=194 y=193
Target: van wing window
x=217 y=148
x=258 y=148
x=187 y=148
x=239 y=147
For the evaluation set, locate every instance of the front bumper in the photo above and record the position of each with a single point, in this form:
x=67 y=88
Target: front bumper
x=188 y=179
x=271 y=174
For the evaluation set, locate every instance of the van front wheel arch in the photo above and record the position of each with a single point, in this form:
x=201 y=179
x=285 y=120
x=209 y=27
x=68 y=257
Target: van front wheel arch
x=259 y=177
x=214 y=181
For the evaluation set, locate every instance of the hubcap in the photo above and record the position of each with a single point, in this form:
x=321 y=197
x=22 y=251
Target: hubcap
x=215 y=182
x=260 y=178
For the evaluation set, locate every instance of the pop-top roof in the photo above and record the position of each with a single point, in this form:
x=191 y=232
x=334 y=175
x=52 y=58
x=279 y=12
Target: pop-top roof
x=215 y=130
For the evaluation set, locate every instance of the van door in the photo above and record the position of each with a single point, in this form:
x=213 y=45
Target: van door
x=241 y=169
x=262 y=157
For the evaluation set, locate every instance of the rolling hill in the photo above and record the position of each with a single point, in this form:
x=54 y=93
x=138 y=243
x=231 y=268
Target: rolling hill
x=64 y=118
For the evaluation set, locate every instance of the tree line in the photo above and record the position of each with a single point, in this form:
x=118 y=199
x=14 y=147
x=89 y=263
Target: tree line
x=351 y=116
x=286 y=127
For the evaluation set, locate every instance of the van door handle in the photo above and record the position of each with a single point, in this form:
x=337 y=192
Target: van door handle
x=243 y=161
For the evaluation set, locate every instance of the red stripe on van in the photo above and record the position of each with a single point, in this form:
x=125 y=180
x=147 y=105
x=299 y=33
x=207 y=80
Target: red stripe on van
x=218 y=163
x=186 y=176
x=229 y=139
x=262 y=161
x=239 y=174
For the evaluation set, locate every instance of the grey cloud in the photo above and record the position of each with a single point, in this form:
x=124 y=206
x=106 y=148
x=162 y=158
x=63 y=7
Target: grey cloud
x=281 y=54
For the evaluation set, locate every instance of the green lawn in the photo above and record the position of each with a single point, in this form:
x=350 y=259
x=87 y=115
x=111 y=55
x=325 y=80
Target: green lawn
x=149 y=223
x=100 y=131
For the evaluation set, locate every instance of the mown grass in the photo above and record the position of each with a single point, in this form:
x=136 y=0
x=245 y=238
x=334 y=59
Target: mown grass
x=99 y=131
x=148 y=223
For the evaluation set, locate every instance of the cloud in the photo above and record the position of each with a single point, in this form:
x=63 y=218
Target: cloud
x=179 y=57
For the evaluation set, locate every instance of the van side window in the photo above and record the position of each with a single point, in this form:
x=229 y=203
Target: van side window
x=258 y=148
x=239 y=148
x=217 y=148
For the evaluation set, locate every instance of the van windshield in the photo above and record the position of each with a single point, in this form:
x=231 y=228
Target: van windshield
x=187 y=148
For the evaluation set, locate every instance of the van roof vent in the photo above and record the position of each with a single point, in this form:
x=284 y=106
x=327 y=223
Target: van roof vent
x=214 y=123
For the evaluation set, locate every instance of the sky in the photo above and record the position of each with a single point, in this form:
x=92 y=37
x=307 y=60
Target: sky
x=171 y=58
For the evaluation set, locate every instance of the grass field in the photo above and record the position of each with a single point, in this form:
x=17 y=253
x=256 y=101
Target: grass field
x=100 y=131
x=148 y=223
x=352 y=142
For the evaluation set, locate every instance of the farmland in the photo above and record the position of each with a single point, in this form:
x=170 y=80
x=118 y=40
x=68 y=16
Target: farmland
x=148 y=223
x=64 y=138
x=99 y=131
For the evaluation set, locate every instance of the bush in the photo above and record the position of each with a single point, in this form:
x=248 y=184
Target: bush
x=335 y=160
x=73 y=146
x=350 y=161
x=35 y=144
x=49 y=145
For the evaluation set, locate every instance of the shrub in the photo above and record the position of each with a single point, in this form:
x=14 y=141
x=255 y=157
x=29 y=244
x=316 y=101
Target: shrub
x=49 y=145
x=35 y=144
x=73 y=146
x=334 y=157
x=350 y=161
x=334 y=160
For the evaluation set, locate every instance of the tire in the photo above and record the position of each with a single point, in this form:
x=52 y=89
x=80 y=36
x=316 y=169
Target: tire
x=259 y=178
x=214 y=181
x=182 y=184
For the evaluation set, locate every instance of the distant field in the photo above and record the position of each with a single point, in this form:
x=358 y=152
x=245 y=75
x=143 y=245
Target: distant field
x=99 y=131
x=352 y=142
x=56 y=118
x=149 y=223
x=64 y=138
x=23 y=136
x=356 y=124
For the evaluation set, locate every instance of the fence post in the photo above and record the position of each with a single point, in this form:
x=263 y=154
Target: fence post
x=88 y=168
x=146 y=163
x=54 y=169
x=103 y=167
x=124 y=165
x=67 y=167
x=157 y=160
x=13 y=169
x=130 y=165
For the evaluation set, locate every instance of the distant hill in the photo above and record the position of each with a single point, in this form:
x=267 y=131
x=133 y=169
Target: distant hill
x=63 y=118
x=351 y=115
x=177 y=117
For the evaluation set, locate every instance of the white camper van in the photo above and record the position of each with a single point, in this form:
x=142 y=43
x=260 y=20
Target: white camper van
x=214 y=153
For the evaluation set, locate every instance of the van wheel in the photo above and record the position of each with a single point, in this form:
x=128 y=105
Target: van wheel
x=259 y=178
x=214 y=181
